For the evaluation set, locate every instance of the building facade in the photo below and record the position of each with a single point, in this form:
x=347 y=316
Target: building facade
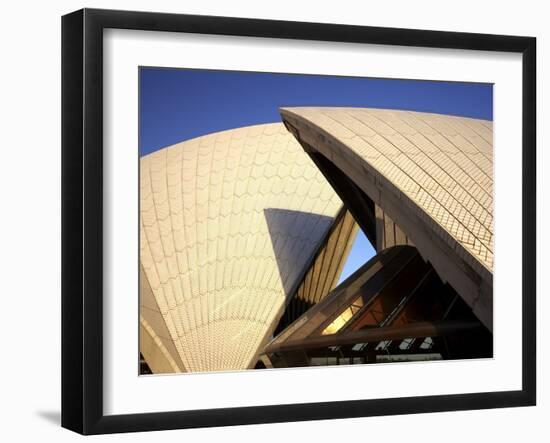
x=244 y=234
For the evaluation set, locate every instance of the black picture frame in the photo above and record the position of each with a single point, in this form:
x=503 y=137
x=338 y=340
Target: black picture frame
x=82 y=218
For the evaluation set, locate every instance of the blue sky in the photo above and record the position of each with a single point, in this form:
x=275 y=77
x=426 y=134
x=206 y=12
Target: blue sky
x=180 y=104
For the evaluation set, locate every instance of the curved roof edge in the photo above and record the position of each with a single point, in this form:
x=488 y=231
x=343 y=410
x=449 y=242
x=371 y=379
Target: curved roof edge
x=320 y=133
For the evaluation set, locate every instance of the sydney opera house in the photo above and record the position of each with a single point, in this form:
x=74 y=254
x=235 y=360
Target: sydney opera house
x=245 y=232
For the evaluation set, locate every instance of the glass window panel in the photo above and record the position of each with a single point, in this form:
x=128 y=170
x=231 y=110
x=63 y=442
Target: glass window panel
x=427 y=343
x=340 y=321
x=383 y=345
x=406 y=344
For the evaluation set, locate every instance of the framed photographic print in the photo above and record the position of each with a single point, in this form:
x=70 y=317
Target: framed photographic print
x=270 y=221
